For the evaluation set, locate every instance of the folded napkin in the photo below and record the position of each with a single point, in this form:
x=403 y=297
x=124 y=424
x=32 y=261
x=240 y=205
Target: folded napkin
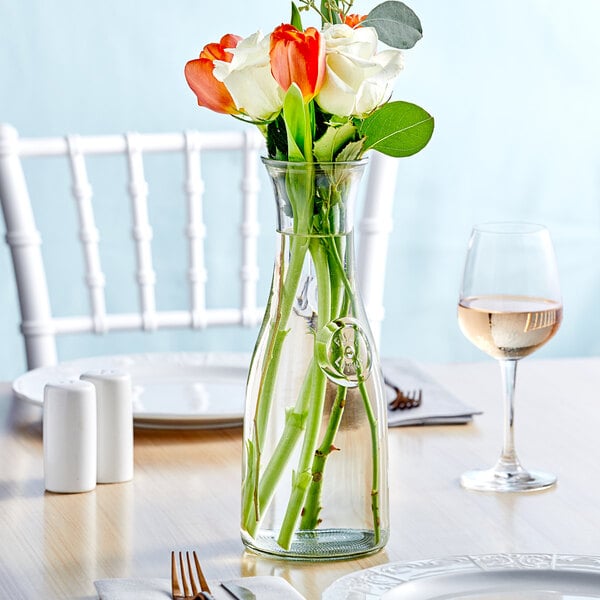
x=438 y=406
x=264 y=587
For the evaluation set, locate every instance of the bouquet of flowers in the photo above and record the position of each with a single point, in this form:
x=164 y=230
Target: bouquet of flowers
x=318 y=95
x=321 y=99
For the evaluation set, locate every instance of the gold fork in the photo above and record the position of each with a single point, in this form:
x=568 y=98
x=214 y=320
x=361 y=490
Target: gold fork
x=405 y=400
x=188 y=593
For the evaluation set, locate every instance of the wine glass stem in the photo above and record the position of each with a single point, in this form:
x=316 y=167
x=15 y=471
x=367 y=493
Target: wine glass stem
x=508 y=461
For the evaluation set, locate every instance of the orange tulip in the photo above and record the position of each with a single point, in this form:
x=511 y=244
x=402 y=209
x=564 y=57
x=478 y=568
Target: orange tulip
x=211 y=92
x=298 y=57
x=354 y=20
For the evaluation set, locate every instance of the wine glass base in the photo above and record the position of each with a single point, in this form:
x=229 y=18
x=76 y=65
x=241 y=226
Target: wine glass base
x=491 y=480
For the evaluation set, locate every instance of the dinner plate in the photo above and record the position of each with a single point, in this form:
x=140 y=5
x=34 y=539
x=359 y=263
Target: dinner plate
x=481 y=577
x=176 y=390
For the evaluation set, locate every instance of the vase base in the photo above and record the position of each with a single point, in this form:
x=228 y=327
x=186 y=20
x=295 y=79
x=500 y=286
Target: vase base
x=320 y=544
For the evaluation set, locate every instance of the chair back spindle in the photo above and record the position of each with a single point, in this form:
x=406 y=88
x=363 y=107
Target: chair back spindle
x=141 y=232
x=195 y=230
x=88 y=234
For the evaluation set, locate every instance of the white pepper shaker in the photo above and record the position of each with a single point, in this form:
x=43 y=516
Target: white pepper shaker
x=69 y=436
x=115 y=424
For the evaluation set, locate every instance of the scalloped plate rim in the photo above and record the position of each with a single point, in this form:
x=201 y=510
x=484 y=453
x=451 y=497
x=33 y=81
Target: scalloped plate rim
x=348 y=588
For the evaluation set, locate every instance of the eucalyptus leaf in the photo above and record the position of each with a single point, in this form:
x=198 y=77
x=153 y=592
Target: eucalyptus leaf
x=396 y=24
x=397 y=129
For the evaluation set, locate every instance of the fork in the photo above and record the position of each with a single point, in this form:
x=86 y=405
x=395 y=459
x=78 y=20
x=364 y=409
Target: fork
x=188 y=594
x=405 y=400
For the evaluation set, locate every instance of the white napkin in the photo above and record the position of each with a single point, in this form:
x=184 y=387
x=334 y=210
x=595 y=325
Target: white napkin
x=438 y=405
x=264 y=587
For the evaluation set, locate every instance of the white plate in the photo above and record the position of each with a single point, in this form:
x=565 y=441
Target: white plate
x=483 y=577
x=178 y=390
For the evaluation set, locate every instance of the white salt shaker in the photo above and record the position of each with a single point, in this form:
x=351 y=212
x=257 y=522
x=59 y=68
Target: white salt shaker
x=69 y=436
x=115 y=424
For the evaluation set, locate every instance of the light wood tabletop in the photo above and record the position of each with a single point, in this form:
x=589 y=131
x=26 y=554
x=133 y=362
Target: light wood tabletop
x=186 y=491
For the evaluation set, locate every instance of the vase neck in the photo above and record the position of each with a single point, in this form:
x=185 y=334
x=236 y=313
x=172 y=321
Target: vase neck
x=315 y=199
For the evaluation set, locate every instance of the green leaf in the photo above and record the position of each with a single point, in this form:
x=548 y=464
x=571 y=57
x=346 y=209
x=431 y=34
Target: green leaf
x=333 y=140
x=397 y=129
x=296 y=19
x=396 y=24
x=351 y=151
x=297 y=123
x=277 y=139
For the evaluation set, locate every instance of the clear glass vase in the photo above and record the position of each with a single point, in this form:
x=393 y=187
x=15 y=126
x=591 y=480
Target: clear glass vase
x=315 y=431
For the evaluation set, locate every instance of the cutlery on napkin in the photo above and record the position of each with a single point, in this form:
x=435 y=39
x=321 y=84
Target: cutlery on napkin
x=438 y=407
x=265 y=587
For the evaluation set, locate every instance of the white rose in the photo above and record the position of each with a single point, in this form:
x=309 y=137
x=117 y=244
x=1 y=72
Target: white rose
x=358 y=79
x=248 y=78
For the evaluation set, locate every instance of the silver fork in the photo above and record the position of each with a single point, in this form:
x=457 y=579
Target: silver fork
x=188 y=591
x=405 y=400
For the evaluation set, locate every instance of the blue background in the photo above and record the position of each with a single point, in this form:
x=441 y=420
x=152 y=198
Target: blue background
x=514 y=87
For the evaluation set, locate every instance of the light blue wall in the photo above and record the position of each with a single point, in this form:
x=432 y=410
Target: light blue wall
x=514 y=87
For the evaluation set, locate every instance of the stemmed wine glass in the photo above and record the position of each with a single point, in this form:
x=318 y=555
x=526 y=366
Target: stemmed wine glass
x=509 y=306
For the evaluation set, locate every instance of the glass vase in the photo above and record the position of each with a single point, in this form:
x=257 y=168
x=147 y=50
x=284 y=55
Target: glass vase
x=314 y=481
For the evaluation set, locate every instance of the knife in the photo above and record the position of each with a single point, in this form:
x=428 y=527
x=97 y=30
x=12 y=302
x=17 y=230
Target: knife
x=238 y=592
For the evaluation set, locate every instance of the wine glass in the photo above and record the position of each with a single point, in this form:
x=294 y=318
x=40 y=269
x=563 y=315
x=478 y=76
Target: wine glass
x=509 y=306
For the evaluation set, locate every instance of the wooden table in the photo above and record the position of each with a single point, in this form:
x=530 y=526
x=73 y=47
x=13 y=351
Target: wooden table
x=185 y=493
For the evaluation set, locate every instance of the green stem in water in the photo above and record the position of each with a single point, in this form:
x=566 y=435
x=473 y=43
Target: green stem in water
x=300 y=187
x=302 y=207
x=336 y=298
x=298 y=250
x=302 y=476
x=312 y=507
x=279 y=332
x=338 y=265
x=339 y=304
x=250 y=477
x=375 y=460
x=295 y=423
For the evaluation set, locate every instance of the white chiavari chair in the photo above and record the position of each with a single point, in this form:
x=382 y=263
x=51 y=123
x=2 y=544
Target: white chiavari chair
x=40 y=327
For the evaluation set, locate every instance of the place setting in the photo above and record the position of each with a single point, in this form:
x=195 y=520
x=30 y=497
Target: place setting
x=480 y=577
x=188 y=582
